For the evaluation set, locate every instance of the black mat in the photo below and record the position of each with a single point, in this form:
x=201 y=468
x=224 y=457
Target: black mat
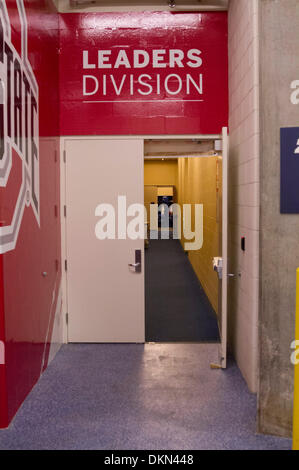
x=176 y=306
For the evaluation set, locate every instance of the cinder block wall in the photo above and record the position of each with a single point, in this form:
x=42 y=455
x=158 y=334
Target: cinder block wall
x=244 y=185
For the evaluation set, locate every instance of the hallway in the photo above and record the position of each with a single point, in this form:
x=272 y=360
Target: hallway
x=113 y=396
x=176 y=306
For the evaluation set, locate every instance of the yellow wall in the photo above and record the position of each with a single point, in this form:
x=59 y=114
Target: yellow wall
x=196 y=180
x=197 y=183
x=160 y=172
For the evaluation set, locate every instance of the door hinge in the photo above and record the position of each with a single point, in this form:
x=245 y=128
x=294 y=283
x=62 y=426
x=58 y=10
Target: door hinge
x=64 y=211
x=67 y=318
x=65 y=265
x=64 y=156
x=55 y=156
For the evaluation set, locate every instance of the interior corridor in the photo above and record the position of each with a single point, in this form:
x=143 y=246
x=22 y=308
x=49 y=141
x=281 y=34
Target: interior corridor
x=181 y=287
x=134 y=396
x=176 y=306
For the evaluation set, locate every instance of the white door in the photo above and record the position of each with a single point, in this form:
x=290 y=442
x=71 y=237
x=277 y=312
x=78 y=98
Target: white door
x=224 y=280
x=105 y=295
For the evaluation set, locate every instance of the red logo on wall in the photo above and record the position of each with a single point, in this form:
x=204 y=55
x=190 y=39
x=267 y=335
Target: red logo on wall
x=18 y=123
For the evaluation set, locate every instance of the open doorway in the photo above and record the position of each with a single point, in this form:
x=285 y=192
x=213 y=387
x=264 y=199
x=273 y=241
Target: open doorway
x=109 y=222
x=182 y=289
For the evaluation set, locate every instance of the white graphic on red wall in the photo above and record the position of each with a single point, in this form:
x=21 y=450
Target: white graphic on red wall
x=135 y=85
x=18 y=124
x=2 y=353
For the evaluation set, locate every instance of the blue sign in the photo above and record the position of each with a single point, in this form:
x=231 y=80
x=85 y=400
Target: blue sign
x=289 y=171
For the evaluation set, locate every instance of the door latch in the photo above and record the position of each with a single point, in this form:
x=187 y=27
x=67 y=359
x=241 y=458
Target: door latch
x=137 y=265
x=217 y=266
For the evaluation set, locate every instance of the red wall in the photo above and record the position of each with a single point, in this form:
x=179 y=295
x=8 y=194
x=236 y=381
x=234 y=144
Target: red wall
x=28 y=298
x=163 y=110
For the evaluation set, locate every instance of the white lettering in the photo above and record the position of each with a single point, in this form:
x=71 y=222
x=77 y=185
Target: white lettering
x=158 y=57
x=198 y=232
x=136 y=225
x=131 y=85
x=158 y=85
x=198 y=87
x=105 y=228
x=96 y=85
x=194 y=61
x=295 y=354
x=141 y=82
x=121 y=218
x=122 y=59
x=138 y=55
x=103 y=59
x=118 y=90
x=295 y=94
x=180 y=84
x=2 y=353
x=176 y=57
x=86 y=64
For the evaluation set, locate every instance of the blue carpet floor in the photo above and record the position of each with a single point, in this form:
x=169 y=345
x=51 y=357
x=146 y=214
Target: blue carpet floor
x=130 y=396
x=176 y=306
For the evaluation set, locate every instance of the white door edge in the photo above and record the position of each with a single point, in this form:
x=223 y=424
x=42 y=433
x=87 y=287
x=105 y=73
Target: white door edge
x=225 y=144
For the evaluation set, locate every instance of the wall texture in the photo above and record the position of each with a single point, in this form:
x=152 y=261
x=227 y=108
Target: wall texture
x=279 y=66
x=244 y=185
x=160 y=172
x=124 y=97
x=137 y=5
x=29 y=195
x=31 y=264
x=199 y=182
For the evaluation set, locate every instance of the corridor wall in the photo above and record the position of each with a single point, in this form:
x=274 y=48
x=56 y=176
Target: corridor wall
x=43 y=68
x=244 y=186
x=30 y=265
x=200 y=182
x=160 y=172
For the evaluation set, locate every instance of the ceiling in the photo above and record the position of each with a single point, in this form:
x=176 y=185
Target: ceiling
x=139 y=5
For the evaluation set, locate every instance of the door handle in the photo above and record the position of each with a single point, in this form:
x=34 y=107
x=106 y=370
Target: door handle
x=217 y=266
x=137 y=265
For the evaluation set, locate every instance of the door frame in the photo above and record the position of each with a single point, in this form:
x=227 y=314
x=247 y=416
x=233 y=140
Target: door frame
x=63 y=140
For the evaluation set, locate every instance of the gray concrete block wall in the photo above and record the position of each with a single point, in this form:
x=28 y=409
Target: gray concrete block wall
x=244 y=186
x=279 y=235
